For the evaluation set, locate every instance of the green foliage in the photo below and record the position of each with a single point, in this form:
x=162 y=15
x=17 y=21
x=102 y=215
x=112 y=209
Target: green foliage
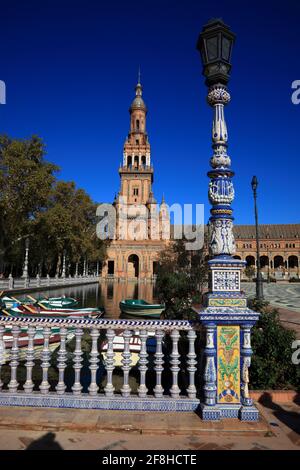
x=250 y=272
x=55 y=215
x=181 y=277
x=227 y=370
x=272 y=366
x=69 y=224
x=26 y=179
x=294 y=279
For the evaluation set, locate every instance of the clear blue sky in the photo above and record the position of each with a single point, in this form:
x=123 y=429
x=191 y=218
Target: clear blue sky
x=70 y=69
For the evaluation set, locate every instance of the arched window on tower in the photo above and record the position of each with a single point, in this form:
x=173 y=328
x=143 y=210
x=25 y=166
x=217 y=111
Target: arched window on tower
x=143 y=160
x=129 y=161
x=136 y=161
x=138 y=124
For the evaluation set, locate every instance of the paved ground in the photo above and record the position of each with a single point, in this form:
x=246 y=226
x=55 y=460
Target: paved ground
x=285 y=297
x=28 y=428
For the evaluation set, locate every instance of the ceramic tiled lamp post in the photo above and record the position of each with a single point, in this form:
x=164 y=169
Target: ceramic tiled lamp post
x=227 y=319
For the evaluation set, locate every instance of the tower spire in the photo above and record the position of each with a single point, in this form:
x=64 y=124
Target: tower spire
x=139 y=76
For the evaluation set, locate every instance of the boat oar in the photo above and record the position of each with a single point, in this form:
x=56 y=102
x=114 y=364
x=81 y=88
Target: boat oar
x=35 y=301
x=28 y=308
x=5 y=312
x=1 y=293
x=25 y=306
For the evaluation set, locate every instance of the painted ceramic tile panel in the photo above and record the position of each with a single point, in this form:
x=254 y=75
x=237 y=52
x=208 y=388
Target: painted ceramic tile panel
x=228 y=358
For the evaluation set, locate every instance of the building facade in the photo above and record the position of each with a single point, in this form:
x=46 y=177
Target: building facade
x=142 y=228
x=279 y=248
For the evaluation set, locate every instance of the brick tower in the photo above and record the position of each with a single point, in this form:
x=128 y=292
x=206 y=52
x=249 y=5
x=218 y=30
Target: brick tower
x=134 y=252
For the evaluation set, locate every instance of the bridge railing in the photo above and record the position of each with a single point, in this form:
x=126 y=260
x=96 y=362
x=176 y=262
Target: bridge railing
x=11 y=283
x=79 y=363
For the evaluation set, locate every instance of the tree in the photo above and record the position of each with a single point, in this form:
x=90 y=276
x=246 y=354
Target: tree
x=55 y=215
x=26 y=179
x=181 y=276
x=69 y=225
x=250 y=272
x=272 y=366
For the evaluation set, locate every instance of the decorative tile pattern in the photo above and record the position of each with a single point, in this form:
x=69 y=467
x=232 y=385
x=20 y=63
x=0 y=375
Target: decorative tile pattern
x=99 y=323
x=225 y=280
x=248 y=413
x=210 y=413
x=100 y=402
x=226 y=302
x=228 y=360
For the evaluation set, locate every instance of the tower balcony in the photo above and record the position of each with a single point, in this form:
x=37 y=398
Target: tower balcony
x=136 y=169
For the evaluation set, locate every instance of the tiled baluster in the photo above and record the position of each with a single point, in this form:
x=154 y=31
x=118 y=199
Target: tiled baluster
x=13 y=384
x=61 y=362
x=158 y=364
x=109 y=363
x=45 y=356
x=28 y=385
x=246 y=353
x=126 y=361
x=191 y=390
x=77 y=387
x=3 y=352
x=210 y=374
x=94 y=360
x=175 y=364
x=142 y=390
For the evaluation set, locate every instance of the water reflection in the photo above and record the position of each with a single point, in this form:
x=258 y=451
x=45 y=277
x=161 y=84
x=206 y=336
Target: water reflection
x=104 y=294
x=112 y=293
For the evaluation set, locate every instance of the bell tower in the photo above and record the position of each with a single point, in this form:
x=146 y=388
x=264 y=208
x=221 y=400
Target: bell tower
x=136 y=173
x=139 y=237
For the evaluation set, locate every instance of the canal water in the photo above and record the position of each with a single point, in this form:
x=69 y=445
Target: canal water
x=104 y=294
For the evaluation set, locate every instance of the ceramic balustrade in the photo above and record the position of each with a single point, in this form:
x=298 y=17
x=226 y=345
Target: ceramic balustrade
x=61 y=345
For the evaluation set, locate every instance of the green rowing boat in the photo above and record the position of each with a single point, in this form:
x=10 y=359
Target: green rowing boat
x=141 y=308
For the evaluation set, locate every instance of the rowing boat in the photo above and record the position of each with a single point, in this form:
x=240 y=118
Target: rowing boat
x=141 y=308
x=33 y=310
x=48 y=303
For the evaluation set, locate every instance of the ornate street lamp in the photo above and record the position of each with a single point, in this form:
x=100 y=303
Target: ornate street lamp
x=259 y=281
x=63 y=274
x=215 y=45
x=25 y=267
x=225 y=315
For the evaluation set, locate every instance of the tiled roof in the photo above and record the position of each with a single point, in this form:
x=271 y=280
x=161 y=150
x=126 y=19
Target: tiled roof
x=280 y=231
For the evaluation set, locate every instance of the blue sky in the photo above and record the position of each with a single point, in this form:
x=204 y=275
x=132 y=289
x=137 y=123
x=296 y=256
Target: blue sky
x=70 y=69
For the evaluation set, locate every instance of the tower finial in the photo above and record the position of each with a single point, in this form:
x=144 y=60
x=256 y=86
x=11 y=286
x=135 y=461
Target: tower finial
x=139 y=75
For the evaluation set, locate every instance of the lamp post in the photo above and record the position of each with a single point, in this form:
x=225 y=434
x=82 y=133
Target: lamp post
x=225 y=315
x=25 y=267
x=259 y=281
x=63 y=274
